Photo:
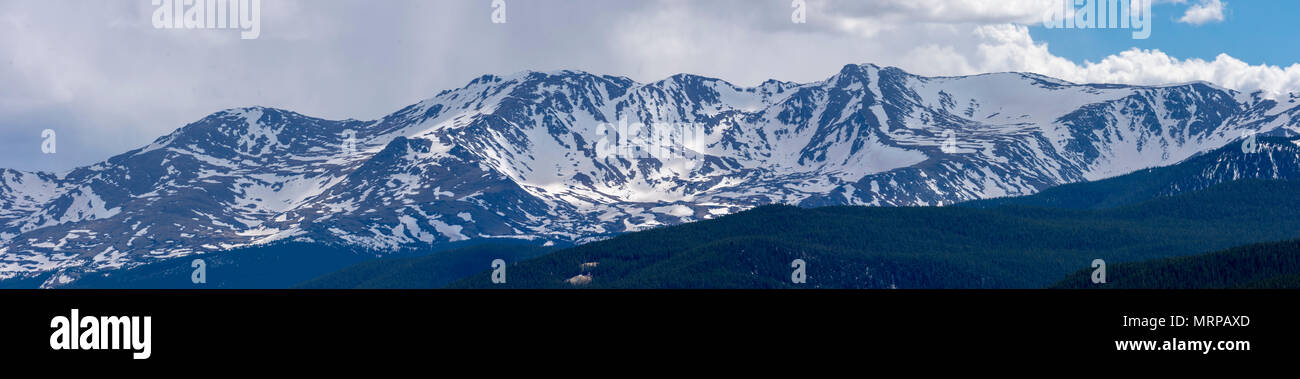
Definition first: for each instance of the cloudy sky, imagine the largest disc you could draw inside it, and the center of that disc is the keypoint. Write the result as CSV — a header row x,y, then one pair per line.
x,y
106,80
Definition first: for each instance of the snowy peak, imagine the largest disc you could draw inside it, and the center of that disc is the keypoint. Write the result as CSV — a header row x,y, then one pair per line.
x,y
258,131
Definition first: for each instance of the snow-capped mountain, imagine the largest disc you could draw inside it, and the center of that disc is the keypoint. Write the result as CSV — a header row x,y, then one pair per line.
x,y
571,157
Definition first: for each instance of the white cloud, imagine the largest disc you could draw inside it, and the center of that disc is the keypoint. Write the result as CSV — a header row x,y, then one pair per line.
x,y
1206,11
1010,48
945,11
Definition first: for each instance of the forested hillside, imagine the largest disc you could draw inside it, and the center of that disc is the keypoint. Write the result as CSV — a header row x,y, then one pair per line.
x,y
915,247
1262,265
428,271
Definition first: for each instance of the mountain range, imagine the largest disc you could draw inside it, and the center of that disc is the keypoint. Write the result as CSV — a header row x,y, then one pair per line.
x,y
571,157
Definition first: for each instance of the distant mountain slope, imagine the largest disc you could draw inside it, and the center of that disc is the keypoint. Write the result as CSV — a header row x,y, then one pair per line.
x,y
1262,265
570,157
429,271
927,247
1269,158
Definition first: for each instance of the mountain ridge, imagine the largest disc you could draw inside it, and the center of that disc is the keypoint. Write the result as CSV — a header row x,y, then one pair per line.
x,y
520,157
1272,158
